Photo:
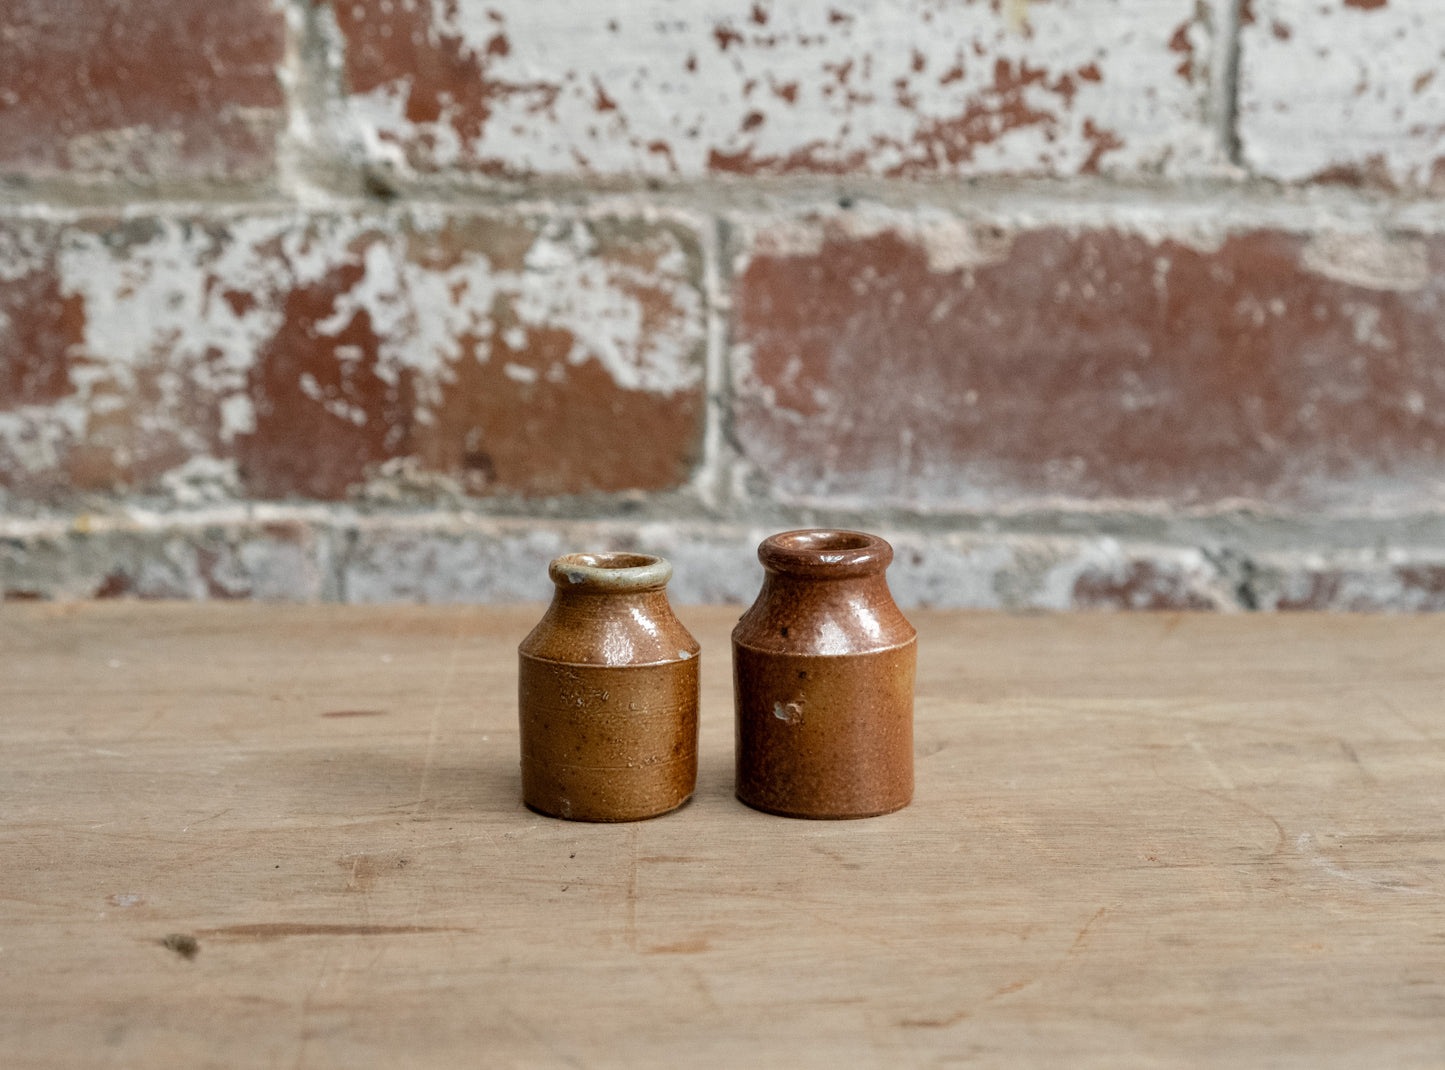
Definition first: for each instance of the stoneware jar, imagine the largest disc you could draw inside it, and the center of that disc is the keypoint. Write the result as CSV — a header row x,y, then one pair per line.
x,y
823,669
608,693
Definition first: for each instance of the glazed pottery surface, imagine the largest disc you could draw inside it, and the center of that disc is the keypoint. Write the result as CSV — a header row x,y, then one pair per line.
x,y
823,667
608,693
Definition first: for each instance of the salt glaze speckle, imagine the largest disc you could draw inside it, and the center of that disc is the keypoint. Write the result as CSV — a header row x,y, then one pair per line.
x,y
823,667
608,693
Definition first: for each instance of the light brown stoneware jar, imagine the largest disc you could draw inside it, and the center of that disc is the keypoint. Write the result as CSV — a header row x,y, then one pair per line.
x,y
608,693
823,668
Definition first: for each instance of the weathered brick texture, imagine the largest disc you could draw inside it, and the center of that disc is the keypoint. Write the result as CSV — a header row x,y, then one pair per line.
x,y
1372,580
1344,91
1090,304
183,89
897,88
298,355
948,365
283,561
468,559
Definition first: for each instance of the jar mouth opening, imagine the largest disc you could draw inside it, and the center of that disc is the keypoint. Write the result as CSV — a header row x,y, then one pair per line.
x,y
824,552
611,570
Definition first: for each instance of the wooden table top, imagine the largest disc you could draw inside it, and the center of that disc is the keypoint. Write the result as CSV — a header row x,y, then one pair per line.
x,y
281,837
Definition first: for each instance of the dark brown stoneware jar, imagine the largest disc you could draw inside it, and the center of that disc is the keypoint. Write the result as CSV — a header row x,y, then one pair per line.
x,y
608,693
823,669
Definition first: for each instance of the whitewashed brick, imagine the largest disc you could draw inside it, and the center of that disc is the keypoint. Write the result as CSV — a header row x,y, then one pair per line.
x,y
881,87
1344,90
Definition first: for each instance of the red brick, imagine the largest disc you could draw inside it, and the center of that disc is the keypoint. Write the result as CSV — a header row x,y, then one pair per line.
x,y
935,365
318,442
897,88
183,89
43,327
279,356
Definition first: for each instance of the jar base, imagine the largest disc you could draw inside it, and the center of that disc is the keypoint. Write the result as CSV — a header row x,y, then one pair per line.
x,y
607,820
823,817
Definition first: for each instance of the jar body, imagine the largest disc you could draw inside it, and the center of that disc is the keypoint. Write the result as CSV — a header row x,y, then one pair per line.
x,y
823,674
608,688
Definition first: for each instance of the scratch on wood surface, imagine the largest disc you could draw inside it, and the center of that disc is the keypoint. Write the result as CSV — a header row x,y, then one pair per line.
x,y
546,1038
1076,948
1409,722
208,817
699,981
442,691
673,858
149,723
1354,757
1220,776
366,869
1015,987
1231,799
1278,828
632,895
695,946
303,1035
1304,844
835,856
280,930
1079,940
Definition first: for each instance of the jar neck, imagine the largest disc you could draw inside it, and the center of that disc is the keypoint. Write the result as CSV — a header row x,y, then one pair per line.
x,y
804,615
584,600
610,627
827,587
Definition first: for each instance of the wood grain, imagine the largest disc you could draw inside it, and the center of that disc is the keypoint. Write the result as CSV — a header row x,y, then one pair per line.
x,y
252,836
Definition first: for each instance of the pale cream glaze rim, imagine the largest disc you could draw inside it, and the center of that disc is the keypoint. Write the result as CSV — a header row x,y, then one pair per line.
x,y
612,570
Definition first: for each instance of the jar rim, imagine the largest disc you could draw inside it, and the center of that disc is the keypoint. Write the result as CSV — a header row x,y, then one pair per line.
x,y
610,570
825,552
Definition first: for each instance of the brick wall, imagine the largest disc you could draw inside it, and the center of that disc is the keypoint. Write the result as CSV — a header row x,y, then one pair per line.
x,y
1084,303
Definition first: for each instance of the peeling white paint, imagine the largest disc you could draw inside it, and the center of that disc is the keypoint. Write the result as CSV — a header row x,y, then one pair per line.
x,y
1370,260
203,480
187,312
597,301
782,237
23,249
148,299
36,436
120,149
1328,86
949,242
658,87
952,245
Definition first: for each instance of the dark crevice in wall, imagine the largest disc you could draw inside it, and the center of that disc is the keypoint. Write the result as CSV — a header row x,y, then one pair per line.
x,y
342,550
1244,589
1232,24
1238,571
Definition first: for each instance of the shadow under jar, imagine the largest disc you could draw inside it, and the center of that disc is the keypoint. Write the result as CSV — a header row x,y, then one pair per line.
x,y
608,693
823,667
